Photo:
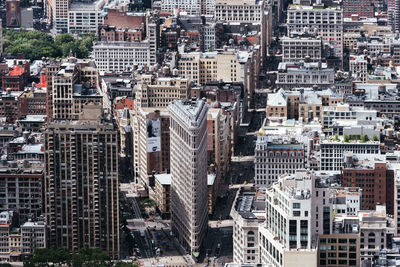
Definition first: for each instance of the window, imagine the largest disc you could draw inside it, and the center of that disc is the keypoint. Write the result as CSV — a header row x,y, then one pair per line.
x,y
296,205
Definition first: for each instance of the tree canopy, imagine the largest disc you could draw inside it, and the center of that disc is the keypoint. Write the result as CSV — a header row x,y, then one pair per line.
x,y
364,138
148,203
36,44
125,264
85,257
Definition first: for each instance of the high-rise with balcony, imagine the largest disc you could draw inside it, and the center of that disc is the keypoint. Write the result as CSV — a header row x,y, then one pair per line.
x,y
189,197
81,182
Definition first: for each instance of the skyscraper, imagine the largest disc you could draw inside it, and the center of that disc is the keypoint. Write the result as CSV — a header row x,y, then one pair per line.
x,y
81,182
188,145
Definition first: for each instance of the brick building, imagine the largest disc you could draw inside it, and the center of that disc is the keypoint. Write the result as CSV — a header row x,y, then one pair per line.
x,y
370,174
32,102
112,33
9,105
121,19
17,77
362,8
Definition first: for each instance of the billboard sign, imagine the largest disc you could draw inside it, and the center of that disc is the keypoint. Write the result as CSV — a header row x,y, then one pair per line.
x,y
153,132
13,13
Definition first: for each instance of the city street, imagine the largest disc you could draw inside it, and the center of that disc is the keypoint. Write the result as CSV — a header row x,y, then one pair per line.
x,y
219,244
150,235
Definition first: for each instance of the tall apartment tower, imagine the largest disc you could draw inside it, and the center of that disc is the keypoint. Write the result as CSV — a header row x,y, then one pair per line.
x,y
81,182
188,142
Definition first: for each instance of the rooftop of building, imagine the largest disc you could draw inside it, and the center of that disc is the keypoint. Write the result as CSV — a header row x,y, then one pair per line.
x,y
339,192
5,217
250,203
86,5
248,265
277,99
14,62
297,37
31,149
379,214
239,2
292,128
341,140
241,55
358,59
33,119
377,91
362,161
17,70
31,223
303,7
165,178
191,109
30,92
82,90
304,66
10,95
327,179
121,44
21,167
297,185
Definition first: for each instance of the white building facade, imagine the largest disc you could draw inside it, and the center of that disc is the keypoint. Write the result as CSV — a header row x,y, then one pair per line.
x,y
327,22
251,11
286,235
332,152
85,17
275,158
191,7
122,56
188,159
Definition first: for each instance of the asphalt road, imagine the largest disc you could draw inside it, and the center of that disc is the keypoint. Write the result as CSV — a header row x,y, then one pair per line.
x,y
219,244
143,244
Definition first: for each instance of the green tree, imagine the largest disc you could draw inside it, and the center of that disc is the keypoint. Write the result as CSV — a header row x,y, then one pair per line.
x,y
36,44
346,138
148,203
91,257
375,138
337,137
364,138
88,257
63,39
